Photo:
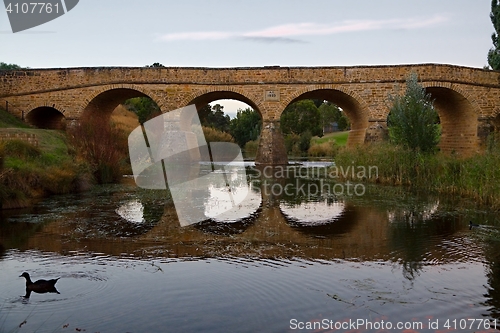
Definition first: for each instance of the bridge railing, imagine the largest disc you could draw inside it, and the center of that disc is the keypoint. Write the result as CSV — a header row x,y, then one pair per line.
x,y
9,107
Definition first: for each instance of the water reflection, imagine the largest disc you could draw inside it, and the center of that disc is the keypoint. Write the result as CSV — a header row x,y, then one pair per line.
x,y
419,237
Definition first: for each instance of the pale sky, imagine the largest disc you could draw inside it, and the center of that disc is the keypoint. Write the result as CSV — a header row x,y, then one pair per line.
x,y
243,33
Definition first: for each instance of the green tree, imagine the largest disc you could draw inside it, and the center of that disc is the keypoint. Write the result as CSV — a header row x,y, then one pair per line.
x,y
412,120
144,107
300,117
331,113
213,116
493,54
5,66
156,64
245,126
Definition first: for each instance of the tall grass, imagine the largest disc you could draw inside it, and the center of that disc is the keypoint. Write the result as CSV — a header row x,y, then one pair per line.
x,y
475,177
102,145
29,172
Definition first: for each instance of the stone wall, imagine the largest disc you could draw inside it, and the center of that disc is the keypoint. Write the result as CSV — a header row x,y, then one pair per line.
x,y
8,134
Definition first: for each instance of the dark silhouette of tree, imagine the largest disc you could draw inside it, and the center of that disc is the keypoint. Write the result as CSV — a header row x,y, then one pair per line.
x,y
493,54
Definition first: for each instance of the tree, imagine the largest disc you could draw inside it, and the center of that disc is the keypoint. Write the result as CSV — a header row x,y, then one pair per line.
x,y
331,113
156,64
300,117
144,107
5,66
213,116
494,53
413,119
245,126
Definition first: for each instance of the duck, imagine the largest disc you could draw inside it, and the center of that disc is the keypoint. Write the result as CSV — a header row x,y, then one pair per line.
x,y
40,286
472,225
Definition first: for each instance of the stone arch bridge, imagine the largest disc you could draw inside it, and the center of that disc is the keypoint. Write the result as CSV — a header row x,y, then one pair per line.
x,y
467,99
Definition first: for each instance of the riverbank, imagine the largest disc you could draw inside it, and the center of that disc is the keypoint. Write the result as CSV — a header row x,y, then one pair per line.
x,y
475,177
32,171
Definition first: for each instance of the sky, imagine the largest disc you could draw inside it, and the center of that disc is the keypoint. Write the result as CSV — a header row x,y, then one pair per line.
x,y
244,33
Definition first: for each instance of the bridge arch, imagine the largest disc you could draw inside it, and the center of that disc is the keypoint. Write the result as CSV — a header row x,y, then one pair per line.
x,y
458,114
106,99
352,104
46,117
203,97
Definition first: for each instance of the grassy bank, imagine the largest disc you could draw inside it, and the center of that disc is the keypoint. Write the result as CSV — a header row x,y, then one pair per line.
x,y
475,177
29,172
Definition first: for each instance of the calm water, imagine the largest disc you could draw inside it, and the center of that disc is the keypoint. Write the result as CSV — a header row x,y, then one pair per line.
x,y
126,265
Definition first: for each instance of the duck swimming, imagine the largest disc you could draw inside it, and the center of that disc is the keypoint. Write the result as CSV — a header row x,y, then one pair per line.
x,y
40,286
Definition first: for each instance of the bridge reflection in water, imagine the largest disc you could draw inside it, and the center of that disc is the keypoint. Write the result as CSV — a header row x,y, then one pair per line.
x,y
318,227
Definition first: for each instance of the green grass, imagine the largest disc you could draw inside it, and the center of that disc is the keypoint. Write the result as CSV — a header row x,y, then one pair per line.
x,y
475,177
7,120
339,137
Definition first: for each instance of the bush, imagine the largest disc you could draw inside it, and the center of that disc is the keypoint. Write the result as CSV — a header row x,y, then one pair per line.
x,y
413,120
102,145
251,148
214,135
325,149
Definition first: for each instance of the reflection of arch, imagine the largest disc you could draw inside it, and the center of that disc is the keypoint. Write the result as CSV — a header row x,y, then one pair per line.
x,y
204,97
106,99
458,116
46,117
353,105
341,223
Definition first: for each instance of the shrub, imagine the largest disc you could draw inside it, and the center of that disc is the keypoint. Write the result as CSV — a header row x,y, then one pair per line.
x,y
325,149
250,149
412,119
102,145
214,135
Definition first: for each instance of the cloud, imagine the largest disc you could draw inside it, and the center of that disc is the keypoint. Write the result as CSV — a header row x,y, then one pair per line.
x,y
284,33
270,40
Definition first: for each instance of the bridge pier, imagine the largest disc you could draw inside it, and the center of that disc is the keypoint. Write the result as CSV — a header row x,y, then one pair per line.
x,y
271,149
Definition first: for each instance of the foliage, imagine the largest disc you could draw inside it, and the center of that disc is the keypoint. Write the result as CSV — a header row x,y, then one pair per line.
x,y
250,150
475,177
30,171
325,149
5,66
103,146
493,54
144,107
331,113
214,135
300,117
156,65
412,119
298,145
213,116
245,126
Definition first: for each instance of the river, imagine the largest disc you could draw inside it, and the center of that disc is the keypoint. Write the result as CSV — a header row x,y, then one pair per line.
x,y
382,260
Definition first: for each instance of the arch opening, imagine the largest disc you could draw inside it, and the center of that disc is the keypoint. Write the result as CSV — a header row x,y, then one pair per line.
x,y
105,103
231,117
326,101
46,117
459,124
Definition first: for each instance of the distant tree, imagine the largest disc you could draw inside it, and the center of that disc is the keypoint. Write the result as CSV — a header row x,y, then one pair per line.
x,y
156,64
300,117
5,66
213,116
412,120
245,126
144,107
493,54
